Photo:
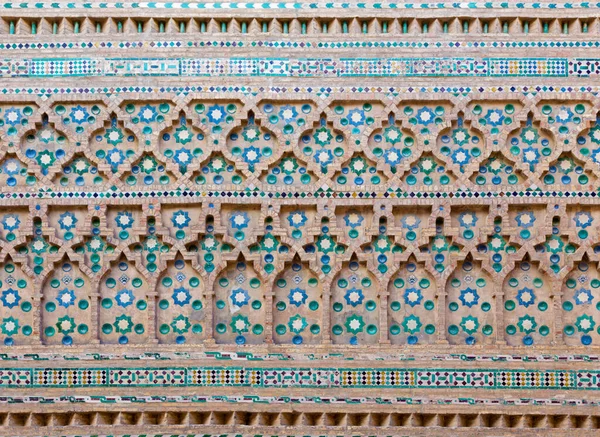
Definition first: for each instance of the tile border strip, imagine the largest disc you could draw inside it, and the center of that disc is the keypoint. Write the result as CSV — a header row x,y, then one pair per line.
x,y
270,357
297,43
323,91
294,400
295,377
341,195
284,67
308,6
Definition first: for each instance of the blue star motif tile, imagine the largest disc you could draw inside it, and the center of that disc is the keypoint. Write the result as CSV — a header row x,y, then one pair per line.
x,y
79,114
147,114
182,156
288,113
564,115
12,167
425,116
251,155
10,298
115,157
583,296
239,220
13,116
392,156
324,157
297,296
413,296
11,222
180,219
124,220
467,219
410,222
297,219
583,219
181,296
461,156
353,219
469,297
354,296
525,219
494,117
67,221
124,298
66,298
356,117
526,297
531,155
216,114
239,297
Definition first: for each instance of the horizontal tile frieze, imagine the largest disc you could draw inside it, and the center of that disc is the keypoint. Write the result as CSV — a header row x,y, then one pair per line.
x,y
358,89
299,67
357,356
248,194
298,43
313,377
295,6
295,400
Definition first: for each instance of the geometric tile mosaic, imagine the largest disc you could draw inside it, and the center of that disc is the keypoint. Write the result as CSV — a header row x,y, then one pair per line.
x,y
235,217
300,377
324,67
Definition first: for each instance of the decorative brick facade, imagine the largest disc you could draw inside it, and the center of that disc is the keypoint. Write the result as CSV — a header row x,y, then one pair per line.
x,y
301,218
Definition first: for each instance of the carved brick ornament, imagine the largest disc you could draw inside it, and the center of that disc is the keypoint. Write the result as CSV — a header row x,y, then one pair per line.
x,y
299,218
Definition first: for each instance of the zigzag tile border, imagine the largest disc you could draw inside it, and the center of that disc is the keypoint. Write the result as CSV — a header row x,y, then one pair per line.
x,y
310,377
309,6
294,400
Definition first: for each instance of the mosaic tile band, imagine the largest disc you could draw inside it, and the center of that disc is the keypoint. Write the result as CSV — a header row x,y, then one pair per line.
x,y
330,378
530,90
397,194
298,68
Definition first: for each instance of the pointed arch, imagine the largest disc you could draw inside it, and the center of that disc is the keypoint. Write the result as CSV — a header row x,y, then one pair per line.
x,y
18,312
580,304
298,306
412,304
123,305
470,304
527,306
239,305
355,304
66,307
180,304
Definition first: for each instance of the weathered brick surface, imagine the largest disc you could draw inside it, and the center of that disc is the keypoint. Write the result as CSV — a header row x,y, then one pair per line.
x,y
299,218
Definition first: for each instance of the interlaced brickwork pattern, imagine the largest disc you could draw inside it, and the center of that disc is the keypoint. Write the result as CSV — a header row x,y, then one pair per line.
x,y
299,218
